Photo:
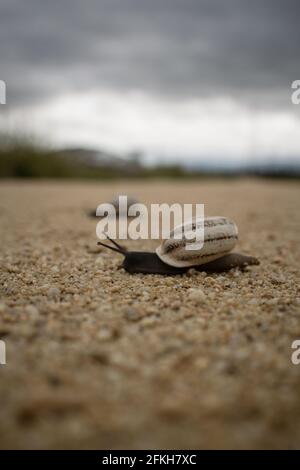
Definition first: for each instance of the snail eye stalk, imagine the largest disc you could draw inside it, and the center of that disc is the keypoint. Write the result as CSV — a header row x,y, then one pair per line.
x,y
121,248
111,247
118,248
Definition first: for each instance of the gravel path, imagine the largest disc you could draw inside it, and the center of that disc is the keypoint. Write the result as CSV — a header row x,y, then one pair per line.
x,y
97,358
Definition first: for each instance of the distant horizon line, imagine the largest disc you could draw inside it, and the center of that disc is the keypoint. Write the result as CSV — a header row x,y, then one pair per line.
x,y
204,161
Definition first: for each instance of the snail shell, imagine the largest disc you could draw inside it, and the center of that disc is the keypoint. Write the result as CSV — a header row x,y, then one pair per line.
x,y
220,237
130,201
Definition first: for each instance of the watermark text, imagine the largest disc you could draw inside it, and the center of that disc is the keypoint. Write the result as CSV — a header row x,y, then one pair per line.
x,y
296,94
295,357
2,353
2,92
161,220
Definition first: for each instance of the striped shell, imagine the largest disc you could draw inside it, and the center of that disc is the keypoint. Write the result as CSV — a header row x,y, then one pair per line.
x,y
220,237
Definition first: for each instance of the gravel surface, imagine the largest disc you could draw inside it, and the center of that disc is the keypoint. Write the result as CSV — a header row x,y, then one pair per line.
x,y
98,358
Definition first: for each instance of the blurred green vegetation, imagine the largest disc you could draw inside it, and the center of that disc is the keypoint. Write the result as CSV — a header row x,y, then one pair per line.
x,y
22,157
25,157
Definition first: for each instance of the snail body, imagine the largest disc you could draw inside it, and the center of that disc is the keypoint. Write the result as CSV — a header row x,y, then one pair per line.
x,y
174,256
149,263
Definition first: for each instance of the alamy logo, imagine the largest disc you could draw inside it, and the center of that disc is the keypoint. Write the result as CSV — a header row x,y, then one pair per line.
x,y
137,222
2,353
2,92
295,358
296,94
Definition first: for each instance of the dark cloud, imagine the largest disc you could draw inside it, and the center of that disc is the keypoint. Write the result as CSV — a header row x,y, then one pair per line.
x,y
248,50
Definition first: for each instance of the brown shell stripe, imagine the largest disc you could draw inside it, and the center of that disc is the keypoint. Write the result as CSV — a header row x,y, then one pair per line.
x,y
212,223
174,246
209,223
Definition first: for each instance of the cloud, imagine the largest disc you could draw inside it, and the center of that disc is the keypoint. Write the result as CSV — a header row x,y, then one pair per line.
x,y
173,77
175,49
193,130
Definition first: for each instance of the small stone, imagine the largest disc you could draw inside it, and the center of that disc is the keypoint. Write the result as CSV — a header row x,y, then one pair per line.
x,y
274,301
210,281
132,314
211,295
149,321
44,287
99,261
53,292
191,272
236,273
106,334
201,363
32,310
55,269
175,305
277,279
114,289
196,295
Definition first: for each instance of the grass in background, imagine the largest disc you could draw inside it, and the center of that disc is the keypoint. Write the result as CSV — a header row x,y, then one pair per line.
x,y
25,157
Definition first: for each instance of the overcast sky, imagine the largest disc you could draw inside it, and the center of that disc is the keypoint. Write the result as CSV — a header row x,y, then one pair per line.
x,y
175,79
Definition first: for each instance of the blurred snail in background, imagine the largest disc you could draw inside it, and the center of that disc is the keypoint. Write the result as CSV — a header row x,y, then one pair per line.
x,y
174,256
115,202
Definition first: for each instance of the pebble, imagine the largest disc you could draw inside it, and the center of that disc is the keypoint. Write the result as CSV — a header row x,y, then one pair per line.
x,y
210,281
53,292
115,289
32,310
99,261
132,314
191,272
277,279
55,269
176,305
196,295
106,334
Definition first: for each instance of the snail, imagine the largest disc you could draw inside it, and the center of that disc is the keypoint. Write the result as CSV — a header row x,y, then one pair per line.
x,y
115,202
173,257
